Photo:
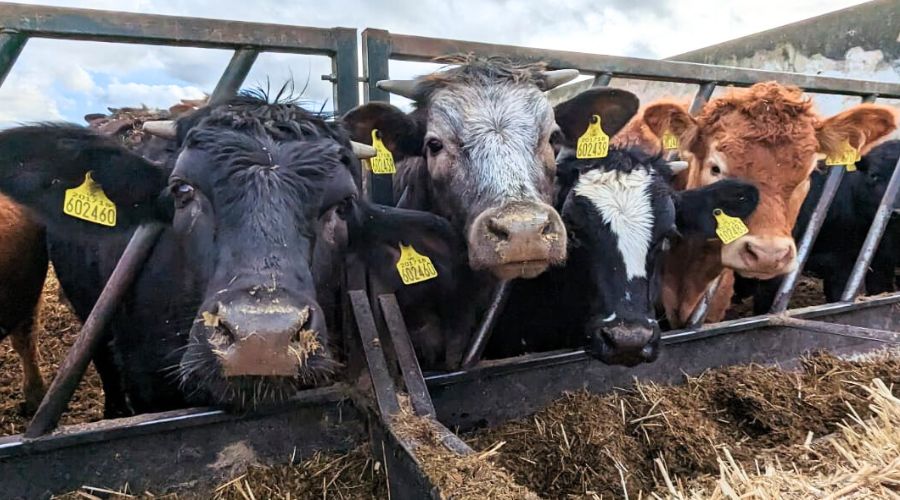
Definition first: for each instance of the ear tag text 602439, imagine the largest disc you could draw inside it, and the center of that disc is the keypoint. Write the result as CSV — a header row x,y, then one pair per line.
x,y
383,161
89,202
669,140
594,143
848,155
414,267
728,228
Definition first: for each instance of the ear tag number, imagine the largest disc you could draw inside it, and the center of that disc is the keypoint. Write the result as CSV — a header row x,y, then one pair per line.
x,y
414,267
89,202
669,140
848,155
594,143
728,228
383,161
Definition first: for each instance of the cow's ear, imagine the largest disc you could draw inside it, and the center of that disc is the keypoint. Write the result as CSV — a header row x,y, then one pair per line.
x,y
614,106
694,207
666,116
39,164
401,133
862,126
376,233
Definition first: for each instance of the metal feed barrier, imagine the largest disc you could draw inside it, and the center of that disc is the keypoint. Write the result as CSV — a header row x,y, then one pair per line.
x,y
195,447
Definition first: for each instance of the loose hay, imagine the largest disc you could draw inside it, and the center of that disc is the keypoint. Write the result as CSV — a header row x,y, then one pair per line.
x,y
58,329
471,477
585,445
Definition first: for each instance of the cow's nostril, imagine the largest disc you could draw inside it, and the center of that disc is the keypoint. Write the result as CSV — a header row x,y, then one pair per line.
x,y
547,229
750,253
498,230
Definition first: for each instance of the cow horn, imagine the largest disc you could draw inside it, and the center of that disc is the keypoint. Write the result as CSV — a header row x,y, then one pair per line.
x,y
160,128
677,166
406,88
557,77
363,151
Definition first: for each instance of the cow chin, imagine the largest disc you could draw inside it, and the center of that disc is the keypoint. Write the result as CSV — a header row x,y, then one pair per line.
x,y
207,380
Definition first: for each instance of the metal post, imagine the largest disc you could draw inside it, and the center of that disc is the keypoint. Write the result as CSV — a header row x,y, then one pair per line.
x,y
376,54
832,183
602,79
344,65
234,75
72,369
483,334
406,356
383,385
698,317
873,238
11,45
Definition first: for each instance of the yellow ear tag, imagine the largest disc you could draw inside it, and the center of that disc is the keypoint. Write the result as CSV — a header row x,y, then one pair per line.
x,y
728,228
383,161
669,140
593,143
89,202
414,267
848,155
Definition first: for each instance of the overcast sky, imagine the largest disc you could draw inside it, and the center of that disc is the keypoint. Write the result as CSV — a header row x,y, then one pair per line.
x,y
55,80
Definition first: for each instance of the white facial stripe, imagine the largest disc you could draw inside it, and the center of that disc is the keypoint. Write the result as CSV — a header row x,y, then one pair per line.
x,y
623,200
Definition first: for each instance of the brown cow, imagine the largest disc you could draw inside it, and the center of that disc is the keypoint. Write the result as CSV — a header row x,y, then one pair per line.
x,y
770,135
23,268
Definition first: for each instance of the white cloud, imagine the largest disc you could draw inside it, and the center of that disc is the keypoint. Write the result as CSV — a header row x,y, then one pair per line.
x,y
119,94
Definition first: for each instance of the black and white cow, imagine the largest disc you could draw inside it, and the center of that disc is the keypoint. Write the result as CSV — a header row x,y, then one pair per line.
x,y
257,204
477,150
843,232
621,214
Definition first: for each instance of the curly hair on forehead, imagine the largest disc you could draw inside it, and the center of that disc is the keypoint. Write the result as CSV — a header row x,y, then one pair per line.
x,y
469,69
770,112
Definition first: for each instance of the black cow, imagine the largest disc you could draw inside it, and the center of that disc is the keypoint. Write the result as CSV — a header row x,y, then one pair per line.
x,y
621,214
843,232
258,205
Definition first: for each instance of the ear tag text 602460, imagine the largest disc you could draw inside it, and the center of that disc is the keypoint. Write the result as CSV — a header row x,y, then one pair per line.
x,y
89,202
383,161
728,228
594,143
414,267
669,140
848,155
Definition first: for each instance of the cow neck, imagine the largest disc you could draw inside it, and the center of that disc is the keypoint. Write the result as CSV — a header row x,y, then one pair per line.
x,y
688,269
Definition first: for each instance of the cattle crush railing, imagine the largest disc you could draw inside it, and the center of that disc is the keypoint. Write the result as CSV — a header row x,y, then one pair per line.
x,y
176,448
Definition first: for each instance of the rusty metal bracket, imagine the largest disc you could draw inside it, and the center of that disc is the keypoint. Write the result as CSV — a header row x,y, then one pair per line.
x,y
857,332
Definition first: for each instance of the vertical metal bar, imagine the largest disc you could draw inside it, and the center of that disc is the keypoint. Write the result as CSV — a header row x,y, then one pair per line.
x,y
79,356
602,79
234,75
483,334
11,45
873,238
345,66
385,390
698,317
832,183
406,356
376,55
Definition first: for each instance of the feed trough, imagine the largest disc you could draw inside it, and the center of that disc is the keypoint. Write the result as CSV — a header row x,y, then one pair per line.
x,y
411,420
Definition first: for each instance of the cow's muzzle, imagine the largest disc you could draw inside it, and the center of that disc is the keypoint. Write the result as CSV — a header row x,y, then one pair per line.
x,y
517,240
760,257
266,339
625,343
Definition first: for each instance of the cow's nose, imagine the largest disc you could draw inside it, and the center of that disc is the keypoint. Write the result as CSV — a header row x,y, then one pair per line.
x,y
517,240
267,339
767,255
626,344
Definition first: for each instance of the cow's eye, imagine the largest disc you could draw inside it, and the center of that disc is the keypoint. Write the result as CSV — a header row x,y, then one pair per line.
x,y
182,192
715,170
434,145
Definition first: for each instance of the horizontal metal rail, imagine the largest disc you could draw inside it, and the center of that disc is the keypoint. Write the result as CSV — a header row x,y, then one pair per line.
x,y
419,48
